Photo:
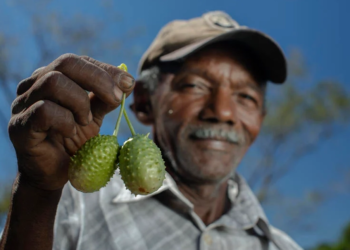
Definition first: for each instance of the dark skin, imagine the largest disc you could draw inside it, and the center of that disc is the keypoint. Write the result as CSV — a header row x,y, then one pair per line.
x,y
47,127
214,91
52,117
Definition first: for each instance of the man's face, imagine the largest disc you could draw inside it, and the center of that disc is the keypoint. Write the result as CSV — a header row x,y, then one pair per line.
x,y
207,115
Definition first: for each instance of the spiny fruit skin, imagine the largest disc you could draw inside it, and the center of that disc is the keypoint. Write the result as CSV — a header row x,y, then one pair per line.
x,y
94,163
141,165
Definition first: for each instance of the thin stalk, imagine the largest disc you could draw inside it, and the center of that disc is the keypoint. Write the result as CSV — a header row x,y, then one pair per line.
x,y
129,123
116,129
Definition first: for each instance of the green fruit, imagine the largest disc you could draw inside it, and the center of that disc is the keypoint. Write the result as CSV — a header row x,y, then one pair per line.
x,y
141,165
94,163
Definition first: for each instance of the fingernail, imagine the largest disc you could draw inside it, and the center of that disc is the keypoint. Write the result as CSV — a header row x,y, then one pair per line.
x,y
126,82
118,93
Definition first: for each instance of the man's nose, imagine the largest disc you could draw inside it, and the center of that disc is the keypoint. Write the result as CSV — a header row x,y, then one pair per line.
x,y
219,108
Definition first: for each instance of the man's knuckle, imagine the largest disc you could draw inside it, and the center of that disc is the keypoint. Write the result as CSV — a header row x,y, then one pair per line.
x,y
88,58
53,76
16,105
50,80
22,85
64,60
85,100
13,125
115,103
42,116
37,71
67,56
68,116
41,111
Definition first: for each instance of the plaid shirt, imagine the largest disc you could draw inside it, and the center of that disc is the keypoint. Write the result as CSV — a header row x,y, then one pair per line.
x,y
113,218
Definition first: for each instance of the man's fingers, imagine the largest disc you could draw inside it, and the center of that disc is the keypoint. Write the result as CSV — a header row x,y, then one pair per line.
x,y
31,127
124,80
99,108
25,84
90,77
87,75
56,87
106,82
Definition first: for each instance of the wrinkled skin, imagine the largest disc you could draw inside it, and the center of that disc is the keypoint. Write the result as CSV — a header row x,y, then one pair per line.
x,y
214,91
53,115
218,91
56,111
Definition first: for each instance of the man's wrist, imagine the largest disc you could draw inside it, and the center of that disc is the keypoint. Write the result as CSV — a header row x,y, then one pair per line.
x,y
31,216
23,183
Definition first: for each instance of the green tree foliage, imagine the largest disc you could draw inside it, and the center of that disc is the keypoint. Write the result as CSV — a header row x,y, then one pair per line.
x,y
343,242
5,198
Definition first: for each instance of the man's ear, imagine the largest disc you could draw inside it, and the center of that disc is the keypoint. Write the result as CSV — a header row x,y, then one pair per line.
x,y
142,104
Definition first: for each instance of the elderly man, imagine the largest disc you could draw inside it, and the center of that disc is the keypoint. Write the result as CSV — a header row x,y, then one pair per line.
x,y
202,89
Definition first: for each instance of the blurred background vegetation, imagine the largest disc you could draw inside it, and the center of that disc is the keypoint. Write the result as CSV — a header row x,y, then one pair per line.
x,y
301,115
343,242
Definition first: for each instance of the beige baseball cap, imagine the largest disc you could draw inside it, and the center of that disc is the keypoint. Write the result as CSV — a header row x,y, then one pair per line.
x,y
181,38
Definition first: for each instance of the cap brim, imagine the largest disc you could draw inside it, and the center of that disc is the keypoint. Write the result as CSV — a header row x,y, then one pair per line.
x,y
266,49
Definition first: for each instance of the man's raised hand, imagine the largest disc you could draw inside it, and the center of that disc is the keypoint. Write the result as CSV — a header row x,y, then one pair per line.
x,y
57,110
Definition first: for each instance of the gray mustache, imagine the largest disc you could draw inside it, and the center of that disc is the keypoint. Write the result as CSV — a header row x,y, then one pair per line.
x,y
213,133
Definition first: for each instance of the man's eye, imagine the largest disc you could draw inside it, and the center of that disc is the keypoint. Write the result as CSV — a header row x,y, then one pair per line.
x,y
188,85
249,97
193,88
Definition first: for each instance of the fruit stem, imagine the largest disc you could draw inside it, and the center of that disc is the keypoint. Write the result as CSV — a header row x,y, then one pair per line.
x,y
116,129
129,123
122,109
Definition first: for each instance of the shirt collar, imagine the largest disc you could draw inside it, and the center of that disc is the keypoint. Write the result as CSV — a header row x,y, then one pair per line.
x,y
125,196
245,209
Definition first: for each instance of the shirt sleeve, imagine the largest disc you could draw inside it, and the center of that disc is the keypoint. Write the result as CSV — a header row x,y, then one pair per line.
x,y
68,220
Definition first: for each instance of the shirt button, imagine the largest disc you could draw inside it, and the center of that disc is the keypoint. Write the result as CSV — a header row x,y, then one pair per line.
x,y
207,239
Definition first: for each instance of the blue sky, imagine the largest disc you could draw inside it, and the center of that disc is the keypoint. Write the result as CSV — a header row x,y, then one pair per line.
x,y
319,28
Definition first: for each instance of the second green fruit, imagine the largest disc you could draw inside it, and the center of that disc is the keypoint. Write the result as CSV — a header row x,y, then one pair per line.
x,y
141,165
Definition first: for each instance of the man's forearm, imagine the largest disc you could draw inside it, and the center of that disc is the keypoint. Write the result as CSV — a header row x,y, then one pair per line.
x,y
31,218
